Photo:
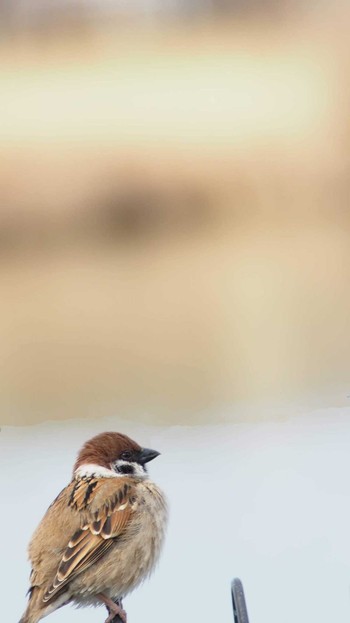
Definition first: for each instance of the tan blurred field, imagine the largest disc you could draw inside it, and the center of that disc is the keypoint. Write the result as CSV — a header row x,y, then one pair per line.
x,y
174,225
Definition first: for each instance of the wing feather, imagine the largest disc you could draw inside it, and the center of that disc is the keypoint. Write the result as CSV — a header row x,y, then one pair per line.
x,y
104,517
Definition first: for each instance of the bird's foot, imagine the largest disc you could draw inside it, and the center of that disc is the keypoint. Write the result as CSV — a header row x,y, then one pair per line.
x,y
115,609
118,614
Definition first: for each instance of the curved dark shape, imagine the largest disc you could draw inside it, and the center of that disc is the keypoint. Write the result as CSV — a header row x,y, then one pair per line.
x,y
240,612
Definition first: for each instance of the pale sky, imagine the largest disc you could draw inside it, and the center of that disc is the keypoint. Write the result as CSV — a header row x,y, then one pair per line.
x,y
268,503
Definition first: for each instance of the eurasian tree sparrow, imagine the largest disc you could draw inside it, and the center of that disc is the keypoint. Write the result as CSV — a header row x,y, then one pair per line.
x,y
102,535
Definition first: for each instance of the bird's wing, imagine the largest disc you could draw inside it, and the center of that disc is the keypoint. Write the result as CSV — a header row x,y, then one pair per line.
x,y
105,507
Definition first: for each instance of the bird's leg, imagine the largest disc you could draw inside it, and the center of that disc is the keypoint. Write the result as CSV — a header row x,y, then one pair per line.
x,y
118,602
114,608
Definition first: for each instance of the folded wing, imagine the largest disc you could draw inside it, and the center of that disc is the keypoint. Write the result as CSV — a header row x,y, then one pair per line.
x,y
106,509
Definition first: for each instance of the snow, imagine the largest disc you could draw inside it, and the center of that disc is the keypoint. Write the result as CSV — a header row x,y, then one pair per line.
x,y
268,502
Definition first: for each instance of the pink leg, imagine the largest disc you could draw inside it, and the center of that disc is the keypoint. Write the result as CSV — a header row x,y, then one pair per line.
x,y
113,608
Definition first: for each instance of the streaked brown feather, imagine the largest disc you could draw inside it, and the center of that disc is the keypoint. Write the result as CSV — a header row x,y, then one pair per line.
x,y
103,519
96,527
76,538
84,491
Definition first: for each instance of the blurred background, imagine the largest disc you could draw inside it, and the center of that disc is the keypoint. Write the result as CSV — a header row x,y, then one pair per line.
x,y
174,208
174,251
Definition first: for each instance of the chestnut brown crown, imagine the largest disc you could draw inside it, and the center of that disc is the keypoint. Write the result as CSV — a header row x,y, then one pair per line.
x,y
106,448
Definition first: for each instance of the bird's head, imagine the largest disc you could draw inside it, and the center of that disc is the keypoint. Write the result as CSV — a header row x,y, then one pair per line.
x,y
111,454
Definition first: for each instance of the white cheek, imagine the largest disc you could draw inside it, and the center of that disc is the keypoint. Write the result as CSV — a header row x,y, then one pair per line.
x,y
90,469
139,470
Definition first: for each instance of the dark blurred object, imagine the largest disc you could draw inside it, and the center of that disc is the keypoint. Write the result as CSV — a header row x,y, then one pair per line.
x,y
39,15
238,602
124,215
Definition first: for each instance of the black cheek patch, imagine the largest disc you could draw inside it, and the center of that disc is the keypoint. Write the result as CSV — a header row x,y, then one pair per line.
x,y
125,469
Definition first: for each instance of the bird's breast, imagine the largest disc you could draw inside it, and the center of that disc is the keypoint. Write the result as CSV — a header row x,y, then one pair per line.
x,y
149,526
134,554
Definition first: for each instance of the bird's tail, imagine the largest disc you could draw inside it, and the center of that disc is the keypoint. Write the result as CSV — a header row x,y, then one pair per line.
x,y
29,617
33,612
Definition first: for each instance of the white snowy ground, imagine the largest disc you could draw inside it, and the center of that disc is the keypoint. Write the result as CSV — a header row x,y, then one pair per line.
x,y
269,503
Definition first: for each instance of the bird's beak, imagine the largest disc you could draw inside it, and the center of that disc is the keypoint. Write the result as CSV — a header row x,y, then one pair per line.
x,y
147,455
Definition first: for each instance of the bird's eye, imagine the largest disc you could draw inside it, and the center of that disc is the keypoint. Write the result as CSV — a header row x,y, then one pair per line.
x,y
126,456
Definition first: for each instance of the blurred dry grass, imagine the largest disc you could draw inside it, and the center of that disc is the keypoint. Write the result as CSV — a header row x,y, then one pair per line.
x,y
174,224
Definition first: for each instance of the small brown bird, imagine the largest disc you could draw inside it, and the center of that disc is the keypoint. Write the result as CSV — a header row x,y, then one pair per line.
x,y
102,535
